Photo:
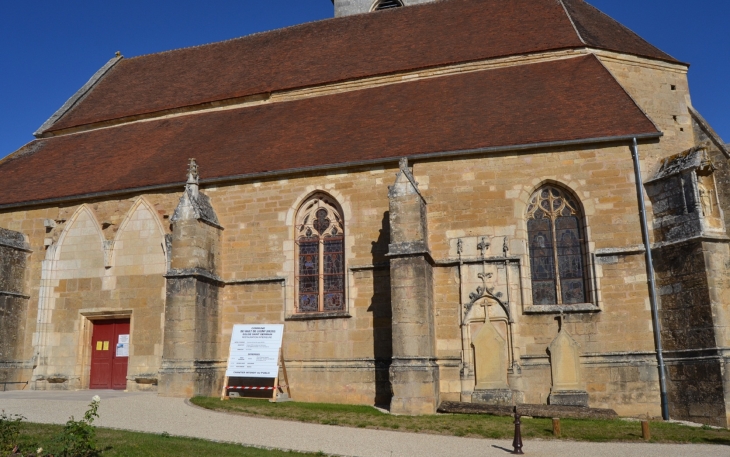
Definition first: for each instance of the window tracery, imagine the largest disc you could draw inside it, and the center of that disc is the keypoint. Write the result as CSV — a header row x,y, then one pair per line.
x,y
556,247
320,245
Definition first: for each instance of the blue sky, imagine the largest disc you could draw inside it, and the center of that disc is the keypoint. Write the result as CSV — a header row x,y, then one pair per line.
x,y
50,48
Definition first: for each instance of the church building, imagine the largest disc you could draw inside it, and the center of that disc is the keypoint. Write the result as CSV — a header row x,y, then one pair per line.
x,y
482,201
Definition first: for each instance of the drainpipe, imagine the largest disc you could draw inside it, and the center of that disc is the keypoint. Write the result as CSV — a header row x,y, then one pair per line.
x,y
652,283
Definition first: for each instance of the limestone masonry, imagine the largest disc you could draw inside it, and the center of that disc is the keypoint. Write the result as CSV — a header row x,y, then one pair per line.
x,y
438,199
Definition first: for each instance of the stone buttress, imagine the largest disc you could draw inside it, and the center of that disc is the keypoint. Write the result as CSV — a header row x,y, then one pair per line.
x,y
14,253
190,361
414,373
691,261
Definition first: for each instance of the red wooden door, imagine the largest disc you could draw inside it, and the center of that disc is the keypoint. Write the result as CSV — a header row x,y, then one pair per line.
x,y
109,354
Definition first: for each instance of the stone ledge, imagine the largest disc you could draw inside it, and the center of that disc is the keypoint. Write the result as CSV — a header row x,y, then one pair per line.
x,y
408,248
569,398
541,411
14,294
197,273
557,309
314,316
13,240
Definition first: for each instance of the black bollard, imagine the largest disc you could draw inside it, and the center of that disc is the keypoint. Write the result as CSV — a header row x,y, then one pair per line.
x,y
517,442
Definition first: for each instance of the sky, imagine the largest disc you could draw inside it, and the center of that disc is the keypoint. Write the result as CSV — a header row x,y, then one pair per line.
x,y
50,48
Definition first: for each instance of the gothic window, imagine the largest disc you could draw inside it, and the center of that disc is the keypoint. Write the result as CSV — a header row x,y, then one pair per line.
x,y
557,248
320,244
387,4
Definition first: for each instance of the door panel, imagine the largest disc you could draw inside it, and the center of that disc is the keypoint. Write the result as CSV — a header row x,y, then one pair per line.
x,y
119,365
109,363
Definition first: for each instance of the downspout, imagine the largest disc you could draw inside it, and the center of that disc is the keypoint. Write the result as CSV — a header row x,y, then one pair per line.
x,y
652,282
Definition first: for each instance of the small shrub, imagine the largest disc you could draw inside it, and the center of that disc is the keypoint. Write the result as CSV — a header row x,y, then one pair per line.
x,y
9,431
78,438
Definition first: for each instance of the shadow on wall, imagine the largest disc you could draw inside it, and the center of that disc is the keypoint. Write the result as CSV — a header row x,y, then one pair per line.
x,y
382,316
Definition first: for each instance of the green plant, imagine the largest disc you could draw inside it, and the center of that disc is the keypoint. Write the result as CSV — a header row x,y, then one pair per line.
x,y
78,438
9,431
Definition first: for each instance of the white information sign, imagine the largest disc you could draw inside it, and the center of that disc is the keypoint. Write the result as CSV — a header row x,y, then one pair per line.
x,y
255,351
123,346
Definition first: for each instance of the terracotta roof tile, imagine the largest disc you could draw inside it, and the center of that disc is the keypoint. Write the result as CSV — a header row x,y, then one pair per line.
x,y
570,99
399,39
601,31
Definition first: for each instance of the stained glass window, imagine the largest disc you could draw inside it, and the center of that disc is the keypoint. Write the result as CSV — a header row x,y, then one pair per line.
x,y
320,256
557,248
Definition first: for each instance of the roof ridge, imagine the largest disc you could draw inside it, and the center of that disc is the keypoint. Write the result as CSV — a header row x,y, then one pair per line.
x,y
228,40
272,31
570,18
620,24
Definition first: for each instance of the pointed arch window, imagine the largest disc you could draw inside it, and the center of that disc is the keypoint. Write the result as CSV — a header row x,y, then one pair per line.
x,y
557,248
320,244
387,4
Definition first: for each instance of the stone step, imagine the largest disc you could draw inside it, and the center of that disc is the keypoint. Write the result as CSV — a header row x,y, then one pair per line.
x,y
541,411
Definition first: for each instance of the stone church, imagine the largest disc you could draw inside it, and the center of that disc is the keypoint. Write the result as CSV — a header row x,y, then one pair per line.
x,y
489,201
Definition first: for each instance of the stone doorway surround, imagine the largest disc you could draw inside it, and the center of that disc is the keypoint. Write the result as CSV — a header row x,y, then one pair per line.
x,y
88,317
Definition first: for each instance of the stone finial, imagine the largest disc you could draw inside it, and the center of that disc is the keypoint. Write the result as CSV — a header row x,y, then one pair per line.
x,y
193,178
405,183
483,246
194,204
403,163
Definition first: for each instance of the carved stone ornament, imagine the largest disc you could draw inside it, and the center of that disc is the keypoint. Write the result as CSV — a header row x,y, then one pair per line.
x,y
485,291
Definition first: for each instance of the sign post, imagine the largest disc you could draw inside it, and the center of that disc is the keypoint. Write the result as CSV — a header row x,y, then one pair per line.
x,y
254,358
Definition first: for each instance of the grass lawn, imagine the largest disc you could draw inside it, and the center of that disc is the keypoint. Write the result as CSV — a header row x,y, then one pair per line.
x,y
472,425
120,443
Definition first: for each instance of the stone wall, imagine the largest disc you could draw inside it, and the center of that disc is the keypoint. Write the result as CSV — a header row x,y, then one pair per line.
x,y
694,369
13,307
89,262
407,279
346,359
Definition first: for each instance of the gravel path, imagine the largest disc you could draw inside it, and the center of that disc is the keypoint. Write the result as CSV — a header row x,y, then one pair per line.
x,y
149,413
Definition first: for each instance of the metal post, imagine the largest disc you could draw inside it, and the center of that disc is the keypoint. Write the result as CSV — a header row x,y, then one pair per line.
x,y
652,283
517,442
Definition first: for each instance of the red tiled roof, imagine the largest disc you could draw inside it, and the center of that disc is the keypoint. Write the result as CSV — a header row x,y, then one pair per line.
x,y
400,39
571,99
600,31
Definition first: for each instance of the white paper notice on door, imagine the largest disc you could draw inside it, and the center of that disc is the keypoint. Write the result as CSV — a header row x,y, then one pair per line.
x,y
123,346
255,351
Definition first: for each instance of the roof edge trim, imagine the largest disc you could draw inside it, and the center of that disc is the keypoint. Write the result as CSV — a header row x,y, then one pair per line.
x,y
75,98
710,131
269,174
